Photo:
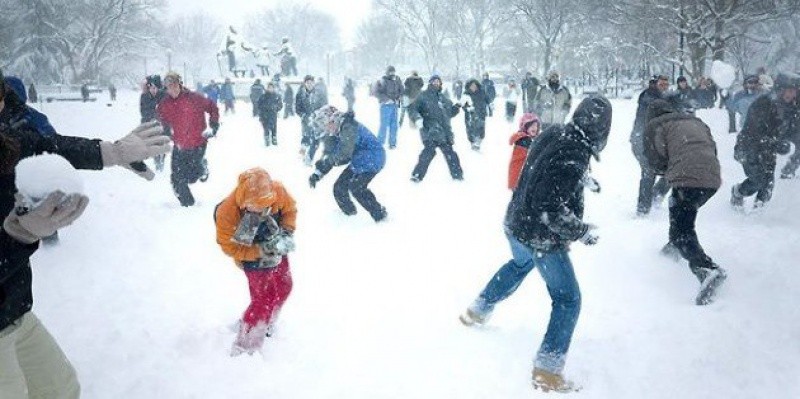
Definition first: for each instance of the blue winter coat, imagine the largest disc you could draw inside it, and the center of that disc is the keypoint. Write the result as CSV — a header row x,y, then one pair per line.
x,y
356,145
226,93
212,92
34,118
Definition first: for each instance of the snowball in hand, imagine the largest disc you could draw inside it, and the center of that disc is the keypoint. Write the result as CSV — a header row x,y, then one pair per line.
x,y
41,175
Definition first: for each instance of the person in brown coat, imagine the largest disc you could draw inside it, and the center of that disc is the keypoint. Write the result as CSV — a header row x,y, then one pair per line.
x,y
680,147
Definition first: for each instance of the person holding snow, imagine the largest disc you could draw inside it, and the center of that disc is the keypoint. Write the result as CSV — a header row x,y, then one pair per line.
x,y
544,217
254,225
31,361
348,142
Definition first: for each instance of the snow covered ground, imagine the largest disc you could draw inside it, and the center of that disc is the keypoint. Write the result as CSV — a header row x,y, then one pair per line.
x,y
140,296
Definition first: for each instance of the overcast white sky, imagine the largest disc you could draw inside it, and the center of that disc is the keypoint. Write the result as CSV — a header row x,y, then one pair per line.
x,y
348,13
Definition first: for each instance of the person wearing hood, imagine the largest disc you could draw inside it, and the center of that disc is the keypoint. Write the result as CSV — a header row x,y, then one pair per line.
x,y
151,96
31,116
436,111
651,188
553,101
348,142
680,147
255,224
529,129
770,122
32,363
475,114
544,216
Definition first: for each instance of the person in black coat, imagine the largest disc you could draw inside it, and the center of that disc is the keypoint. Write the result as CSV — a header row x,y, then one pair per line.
x,y
649,186
269,104
475,114
349,93
490,92
288,101
48,372
148,101
770,121
306,102
530,89
436,111
544,217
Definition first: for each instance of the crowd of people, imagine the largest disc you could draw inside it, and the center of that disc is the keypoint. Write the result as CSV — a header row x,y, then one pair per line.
x,y
549,168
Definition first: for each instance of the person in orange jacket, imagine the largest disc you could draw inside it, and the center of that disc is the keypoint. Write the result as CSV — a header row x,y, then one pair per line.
x,y
255,224
529,126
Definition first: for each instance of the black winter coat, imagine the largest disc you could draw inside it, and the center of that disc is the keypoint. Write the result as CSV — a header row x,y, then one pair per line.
x,y
306,102
147,105
769,121
436,110
546,209
269,103
413,87
637,135
16,297
477,99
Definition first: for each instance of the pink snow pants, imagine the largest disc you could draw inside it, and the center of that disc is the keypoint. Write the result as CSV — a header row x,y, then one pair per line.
x,y
269,289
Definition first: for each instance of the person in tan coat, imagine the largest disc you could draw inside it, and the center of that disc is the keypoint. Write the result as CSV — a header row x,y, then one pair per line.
x,y
680,147
255,224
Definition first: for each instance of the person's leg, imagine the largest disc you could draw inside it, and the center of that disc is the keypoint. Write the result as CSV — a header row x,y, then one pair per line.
x,y
365,197
341,192
453,163
272,118
12,379
178,177
47,371
683,208
384,125
505,281
559,276
646,181
265,127
282,280
392,116
425,158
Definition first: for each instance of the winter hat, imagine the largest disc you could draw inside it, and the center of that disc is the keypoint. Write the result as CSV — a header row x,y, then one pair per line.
x,y
681,79
327,120
434,77
527,120
390,69
254,190
308,78
14,83
153,80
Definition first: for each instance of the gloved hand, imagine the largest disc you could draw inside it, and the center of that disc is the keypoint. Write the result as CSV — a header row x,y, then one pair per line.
x,y
588,237
283,243
314,178
57,210
146,141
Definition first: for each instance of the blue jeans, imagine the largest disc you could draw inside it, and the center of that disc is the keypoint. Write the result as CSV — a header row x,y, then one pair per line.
x,y
556,270
388,122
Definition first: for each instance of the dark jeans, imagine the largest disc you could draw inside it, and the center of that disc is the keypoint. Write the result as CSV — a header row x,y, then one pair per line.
x,y
649,186
270,125
187,167
760,180
427,154
356,183
683,206
732,122
476,128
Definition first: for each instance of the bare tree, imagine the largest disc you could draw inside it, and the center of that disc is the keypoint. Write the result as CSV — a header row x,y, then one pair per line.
x,y
378,42
194,40
546,23
474,26
423,23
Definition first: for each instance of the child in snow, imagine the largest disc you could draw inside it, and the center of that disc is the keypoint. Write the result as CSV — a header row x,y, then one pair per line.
x,y
254,226
521,140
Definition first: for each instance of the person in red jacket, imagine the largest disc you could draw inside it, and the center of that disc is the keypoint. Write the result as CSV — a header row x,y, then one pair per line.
x,y
184,111
521,140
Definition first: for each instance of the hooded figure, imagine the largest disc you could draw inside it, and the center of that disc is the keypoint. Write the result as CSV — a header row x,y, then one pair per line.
x,y
522,141
262,205
475,113
544,216
31,116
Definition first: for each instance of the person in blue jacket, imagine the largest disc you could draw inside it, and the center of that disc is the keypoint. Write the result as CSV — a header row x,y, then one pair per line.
x,y
348,142
33,117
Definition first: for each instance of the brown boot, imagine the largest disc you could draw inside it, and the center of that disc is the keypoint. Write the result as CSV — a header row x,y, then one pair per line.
x,y
547,381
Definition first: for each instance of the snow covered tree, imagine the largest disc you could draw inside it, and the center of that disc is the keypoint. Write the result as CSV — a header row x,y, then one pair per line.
x,y
424,25
379,43
474,26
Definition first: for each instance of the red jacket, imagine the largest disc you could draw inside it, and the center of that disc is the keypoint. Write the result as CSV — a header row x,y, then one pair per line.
x,y
185,114
521,141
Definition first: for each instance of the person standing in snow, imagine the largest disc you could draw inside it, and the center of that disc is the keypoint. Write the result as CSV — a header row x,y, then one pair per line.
x,y
475,114
349,93
85,92
770,122
412,87
33,95
553,101
288,101
32,363
151,96
212,91
740,102
458,89
256,91
112,92
436,111
227,97
511,93
489,92
705,95
530,88
184,112
680,147
306,102
651,188
544,217
254,225
268,106
522,140
348,142
389,92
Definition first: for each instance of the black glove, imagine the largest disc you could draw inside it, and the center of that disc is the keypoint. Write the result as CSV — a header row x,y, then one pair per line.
x,y
314,178
214,127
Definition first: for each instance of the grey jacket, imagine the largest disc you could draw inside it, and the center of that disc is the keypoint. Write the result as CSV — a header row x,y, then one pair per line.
x,y
553,105
680,147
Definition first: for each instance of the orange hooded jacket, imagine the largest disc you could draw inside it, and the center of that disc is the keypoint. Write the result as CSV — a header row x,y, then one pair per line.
x,y
521,141
257,191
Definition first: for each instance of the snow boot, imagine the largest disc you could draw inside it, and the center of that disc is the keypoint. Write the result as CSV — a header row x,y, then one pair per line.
x,y
737,199
708,288
250,339
471,317
547,381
